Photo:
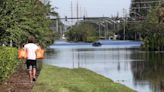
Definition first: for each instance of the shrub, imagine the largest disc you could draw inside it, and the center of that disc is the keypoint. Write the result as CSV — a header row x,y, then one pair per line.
x,y
8,61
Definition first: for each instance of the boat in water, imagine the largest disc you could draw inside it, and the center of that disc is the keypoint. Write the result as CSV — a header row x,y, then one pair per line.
x,y
96,44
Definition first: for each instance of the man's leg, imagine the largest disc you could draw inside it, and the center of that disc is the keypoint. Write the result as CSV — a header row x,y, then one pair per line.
x,y
34,71
30,75
29,68
34,74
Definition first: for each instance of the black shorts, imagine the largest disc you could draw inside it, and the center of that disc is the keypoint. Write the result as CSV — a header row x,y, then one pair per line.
x,y
31,64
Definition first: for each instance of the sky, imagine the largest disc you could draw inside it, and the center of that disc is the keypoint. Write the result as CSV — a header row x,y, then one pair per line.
x,y
91,8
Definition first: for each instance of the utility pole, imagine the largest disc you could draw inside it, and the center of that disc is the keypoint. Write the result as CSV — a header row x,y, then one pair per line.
x,y
71,13
77,10
71,17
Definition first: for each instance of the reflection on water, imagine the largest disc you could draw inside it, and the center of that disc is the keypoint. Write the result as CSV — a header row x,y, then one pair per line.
x,y
142,71
151,70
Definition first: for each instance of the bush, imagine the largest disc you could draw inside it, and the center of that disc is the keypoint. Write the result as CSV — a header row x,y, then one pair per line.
x,y
8,61
91,39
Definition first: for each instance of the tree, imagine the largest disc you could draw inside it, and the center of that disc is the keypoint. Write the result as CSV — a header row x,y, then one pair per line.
x,y
152,30
20,18
82,32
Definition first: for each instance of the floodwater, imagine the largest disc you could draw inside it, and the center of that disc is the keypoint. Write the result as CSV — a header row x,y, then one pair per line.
x,y
121,61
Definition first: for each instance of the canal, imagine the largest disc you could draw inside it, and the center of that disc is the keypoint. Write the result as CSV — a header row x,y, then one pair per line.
x,y
121,61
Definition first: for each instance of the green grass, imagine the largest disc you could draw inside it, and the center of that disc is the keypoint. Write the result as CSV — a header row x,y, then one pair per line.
x,y
55,79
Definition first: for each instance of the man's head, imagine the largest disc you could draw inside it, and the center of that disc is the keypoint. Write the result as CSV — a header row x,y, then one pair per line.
x,y
31,39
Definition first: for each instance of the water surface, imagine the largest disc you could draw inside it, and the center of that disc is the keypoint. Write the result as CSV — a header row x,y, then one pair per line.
x,y
121,61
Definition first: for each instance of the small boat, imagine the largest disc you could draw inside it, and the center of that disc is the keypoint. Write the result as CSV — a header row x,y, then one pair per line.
x,y
96,44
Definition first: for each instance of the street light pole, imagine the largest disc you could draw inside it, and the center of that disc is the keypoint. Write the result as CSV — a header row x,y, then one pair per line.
x,y
124,29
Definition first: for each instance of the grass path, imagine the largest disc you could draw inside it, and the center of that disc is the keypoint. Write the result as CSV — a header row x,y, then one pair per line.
x,y
55,79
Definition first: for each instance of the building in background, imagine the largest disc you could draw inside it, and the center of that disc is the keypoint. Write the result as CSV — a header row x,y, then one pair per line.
x,y
139,8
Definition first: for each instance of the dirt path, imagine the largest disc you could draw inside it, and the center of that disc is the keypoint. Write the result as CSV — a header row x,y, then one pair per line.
x,y
18,81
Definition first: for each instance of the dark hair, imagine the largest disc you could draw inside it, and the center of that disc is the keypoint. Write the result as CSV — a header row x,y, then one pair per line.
x,y
31,39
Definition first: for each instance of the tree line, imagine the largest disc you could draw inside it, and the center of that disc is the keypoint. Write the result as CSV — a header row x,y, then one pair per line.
x,y
150,30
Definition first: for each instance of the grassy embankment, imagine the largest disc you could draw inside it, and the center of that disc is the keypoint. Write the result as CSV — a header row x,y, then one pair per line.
x,y
55,79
